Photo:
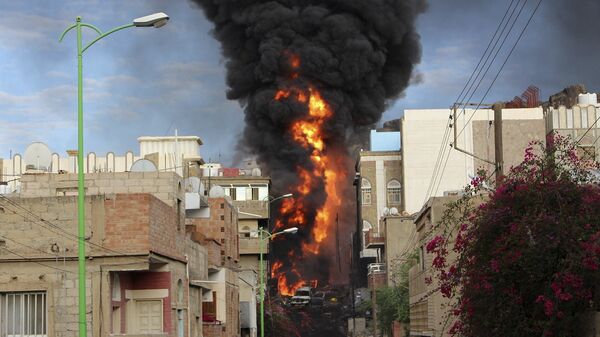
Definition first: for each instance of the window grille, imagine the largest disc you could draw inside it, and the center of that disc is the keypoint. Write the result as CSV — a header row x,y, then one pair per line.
x,y
394,192
23,314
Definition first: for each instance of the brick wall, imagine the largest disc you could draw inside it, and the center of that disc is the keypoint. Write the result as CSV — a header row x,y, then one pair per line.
x,y
127,224
222,228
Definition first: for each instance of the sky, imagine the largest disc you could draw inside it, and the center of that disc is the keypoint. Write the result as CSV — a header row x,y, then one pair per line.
x,y
149,82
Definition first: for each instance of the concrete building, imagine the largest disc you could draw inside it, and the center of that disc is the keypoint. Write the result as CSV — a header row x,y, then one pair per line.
x,y
422,135
143,269
580,122
428,309
248,191
217,227
176,154
380,191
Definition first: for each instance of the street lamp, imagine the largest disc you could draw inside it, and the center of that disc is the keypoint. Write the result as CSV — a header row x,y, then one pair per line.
x,y
264,236
155,20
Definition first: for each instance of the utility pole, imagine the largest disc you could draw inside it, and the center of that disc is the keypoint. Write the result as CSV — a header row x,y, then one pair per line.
x,y
498,148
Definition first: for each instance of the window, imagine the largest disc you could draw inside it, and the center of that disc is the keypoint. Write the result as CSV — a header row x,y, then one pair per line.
x,y
232,193
366,192
254,193
23,314
149,316
394,192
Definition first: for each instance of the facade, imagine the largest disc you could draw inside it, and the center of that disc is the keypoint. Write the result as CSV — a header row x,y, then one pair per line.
x,y
216,225
140,267
248,191
575,121
175,154
427,306
380,191
422,134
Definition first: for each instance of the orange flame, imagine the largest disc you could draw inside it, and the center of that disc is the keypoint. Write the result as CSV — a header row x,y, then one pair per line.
x,y
328,168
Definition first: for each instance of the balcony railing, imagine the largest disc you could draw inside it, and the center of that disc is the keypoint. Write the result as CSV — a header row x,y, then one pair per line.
x,y
376,268
375,240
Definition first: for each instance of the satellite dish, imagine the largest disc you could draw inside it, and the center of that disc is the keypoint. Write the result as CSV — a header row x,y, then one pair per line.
x,y
386,211
37,157
143,165
192,184
256,172
216,192
393,211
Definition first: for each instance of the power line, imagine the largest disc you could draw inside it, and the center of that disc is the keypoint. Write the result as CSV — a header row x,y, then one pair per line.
x,y
460,96
502,25
36,262
504,63
54,228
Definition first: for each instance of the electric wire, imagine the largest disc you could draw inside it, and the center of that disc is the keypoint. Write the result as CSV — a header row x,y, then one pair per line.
x,y
504,63
36,262
56,229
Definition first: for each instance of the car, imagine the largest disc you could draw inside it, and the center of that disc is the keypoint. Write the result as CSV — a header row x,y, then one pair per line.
x,y
318,299
302,297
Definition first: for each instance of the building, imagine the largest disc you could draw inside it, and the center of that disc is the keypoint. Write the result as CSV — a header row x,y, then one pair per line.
x,y
143,268
379,192
217,227
422,137
248,191
580,122
428,309
177,154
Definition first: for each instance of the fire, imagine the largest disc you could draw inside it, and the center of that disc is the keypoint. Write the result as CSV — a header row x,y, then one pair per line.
x,y
327,170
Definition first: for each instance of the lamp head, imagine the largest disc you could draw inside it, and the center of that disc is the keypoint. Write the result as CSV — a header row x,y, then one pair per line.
x,y
155,20
289,195
292,230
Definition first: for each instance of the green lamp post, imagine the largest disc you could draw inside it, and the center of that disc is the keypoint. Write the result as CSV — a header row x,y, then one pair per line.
x,y
154,20
264,236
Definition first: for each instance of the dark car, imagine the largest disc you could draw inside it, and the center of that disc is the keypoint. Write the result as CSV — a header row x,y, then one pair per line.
x,y
317,299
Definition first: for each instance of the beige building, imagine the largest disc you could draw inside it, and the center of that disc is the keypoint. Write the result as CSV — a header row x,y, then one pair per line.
x,y
175,154
428,309
580,122
381,194
248,191
422,134
142,266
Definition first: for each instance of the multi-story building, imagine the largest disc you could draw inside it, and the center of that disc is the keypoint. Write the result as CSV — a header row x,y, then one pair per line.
x,y
217,225
423,136
176,154
380,192
248,191
580,122
143,271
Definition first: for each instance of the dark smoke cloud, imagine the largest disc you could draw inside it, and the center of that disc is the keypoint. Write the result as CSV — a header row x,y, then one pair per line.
x,y
360,54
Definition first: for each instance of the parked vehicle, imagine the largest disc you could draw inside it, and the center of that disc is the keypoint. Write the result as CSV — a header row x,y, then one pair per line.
x,y
302,297
318,299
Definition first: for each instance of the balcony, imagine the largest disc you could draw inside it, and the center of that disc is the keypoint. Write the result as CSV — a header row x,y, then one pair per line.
x,y
250,208
375,240
377,276
251,245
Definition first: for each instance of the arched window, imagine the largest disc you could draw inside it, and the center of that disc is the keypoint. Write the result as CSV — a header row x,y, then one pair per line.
x,y
366,191
394,192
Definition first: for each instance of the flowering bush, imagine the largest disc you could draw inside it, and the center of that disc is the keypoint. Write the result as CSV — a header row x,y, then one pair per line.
x,y
528,256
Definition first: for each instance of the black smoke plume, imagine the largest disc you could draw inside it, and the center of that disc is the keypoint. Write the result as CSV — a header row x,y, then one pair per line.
x,y
359,54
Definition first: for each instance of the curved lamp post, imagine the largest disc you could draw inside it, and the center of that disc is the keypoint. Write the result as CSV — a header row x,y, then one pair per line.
x,y
264,236
154,20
